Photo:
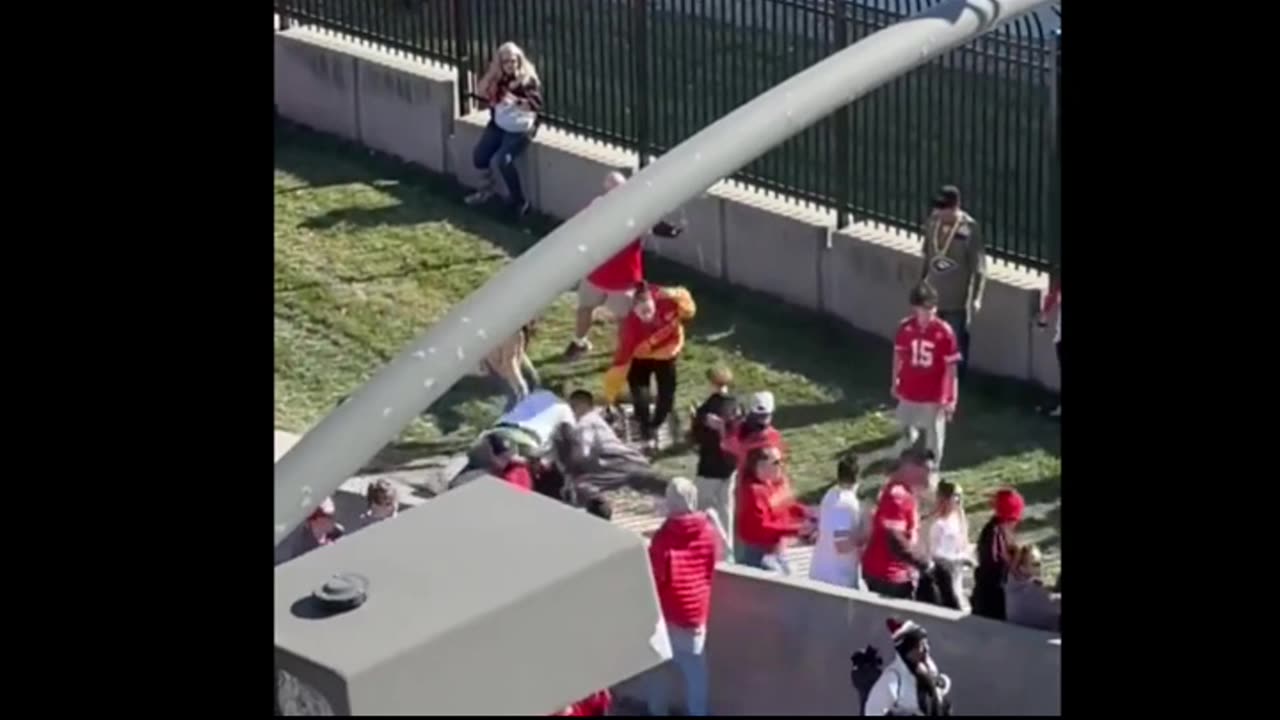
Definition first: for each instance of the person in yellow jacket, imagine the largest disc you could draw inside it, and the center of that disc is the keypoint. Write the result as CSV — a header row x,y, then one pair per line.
x,y
650,339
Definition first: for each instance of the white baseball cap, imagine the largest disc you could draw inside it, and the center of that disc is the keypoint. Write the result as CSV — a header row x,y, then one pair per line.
x,y
761,403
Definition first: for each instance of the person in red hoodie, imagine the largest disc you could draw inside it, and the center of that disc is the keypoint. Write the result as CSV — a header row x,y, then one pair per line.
x,y
767,512
612,284
507,464
593,705
683,555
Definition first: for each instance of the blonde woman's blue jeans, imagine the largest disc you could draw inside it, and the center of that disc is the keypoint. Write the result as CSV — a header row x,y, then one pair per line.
x,y
687,655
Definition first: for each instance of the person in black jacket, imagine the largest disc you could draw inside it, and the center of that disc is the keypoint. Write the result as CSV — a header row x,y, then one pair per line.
x,y
996,545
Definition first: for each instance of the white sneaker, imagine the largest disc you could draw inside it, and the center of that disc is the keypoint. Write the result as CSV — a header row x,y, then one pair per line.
x,y
478,197
1056,412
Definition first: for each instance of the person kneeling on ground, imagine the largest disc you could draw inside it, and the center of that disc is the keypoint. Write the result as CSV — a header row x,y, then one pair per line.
x,y
683,556
1027,601
592,455
649,343
514,94
768,513
996,544
911,684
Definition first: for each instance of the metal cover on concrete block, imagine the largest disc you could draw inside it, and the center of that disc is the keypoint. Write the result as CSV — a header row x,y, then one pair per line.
x,y
486,600
315,84
406,111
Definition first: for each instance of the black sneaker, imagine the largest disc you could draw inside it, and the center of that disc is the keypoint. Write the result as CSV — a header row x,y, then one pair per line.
x,y
576,350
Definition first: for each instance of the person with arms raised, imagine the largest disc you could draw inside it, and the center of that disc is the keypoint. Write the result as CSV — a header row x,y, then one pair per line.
x,y
650,339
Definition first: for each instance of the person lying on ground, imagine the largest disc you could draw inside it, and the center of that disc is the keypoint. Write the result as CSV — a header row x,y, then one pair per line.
x,y
590,453
650,339
613,284
506,463
1027,601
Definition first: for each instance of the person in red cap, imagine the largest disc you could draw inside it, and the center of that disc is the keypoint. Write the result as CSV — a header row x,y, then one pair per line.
x,y
593,705
892,560
995,550
507,464
911,684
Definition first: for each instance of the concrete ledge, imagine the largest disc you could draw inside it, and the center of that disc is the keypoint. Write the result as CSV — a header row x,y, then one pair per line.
x,y
407,109
571,170
780,646
701,245
315,83
774,246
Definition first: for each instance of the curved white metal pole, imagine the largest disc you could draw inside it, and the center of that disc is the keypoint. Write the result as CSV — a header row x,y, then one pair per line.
x,y
353,432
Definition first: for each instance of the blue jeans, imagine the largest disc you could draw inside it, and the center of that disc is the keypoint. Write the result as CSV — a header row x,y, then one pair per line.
x,y
507,146
760,557
959,321
687,647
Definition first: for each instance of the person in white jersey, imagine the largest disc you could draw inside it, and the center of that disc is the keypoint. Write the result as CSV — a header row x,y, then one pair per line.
x,y
835,557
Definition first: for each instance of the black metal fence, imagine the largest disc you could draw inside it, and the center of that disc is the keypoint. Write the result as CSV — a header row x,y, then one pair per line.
x,y
647,74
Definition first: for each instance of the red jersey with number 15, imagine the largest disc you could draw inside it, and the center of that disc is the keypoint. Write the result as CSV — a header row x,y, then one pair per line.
x,y
925,352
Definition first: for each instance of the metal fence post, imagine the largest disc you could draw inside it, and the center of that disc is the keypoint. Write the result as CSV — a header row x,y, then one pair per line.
x,y
462,54
1055,154
640,96
841,16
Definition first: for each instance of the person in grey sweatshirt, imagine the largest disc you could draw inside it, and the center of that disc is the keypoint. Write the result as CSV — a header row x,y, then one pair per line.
x,y
1027,601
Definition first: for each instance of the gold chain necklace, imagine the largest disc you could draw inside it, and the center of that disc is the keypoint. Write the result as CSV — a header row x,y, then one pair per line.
x,y
933,234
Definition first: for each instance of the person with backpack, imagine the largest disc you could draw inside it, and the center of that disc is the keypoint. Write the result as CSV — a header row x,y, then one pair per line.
x,y
911,684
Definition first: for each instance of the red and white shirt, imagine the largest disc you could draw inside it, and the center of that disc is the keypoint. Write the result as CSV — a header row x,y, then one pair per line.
x,y
925,352
895,513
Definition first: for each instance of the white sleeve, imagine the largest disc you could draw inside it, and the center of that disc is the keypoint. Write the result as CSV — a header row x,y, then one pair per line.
x,y
883,697
842,519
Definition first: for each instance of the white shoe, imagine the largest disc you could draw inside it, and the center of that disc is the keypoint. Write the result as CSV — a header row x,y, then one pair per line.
x,y
1056,412
478,197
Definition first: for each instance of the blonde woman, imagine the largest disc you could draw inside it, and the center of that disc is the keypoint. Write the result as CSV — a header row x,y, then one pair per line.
x,y
1027,601
946,537
514,94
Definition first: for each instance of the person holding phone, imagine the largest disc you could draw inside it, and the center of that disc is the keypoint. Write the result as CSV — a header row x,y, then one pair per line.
x,y
514,94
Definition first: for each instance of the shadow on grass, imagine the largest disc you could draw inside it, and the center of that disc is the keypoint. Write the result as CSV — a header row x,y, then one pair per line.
x,y
408,270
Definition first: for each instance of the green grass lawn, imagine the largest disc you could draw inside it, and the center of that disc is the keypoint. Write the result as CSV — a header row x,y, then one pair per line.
x,y
368,253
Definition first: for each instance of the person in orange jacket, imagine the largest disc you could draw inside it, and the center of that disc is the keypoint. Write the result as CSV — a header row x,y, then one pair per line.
x,y
650,339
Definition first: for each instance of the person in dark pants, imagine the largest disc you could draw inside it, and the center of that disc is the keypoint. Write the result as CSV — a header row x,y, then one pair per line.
x,y
650,339
955,264
996,548
514,94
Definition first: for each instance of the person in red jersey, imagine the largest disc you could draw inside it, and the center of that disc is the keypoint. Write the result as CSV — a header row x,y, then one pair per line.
x,y
507,464
891,561
767,512
593,705
755,430
611,285
925,356
650,339
683,556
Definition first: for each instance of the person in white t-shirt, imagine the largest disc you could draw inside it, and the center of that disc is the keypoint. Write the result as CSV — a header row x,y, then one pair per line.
x,y
835,557
946,536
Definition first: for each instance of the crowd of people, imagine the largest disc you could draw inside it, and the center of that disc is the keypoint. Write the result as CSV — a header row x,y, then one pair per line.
x,y
911,542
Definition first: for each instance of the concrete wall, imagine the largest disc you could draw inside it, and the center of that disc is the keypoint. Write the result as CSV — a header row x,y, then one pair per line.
x,y
781,647
860,274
